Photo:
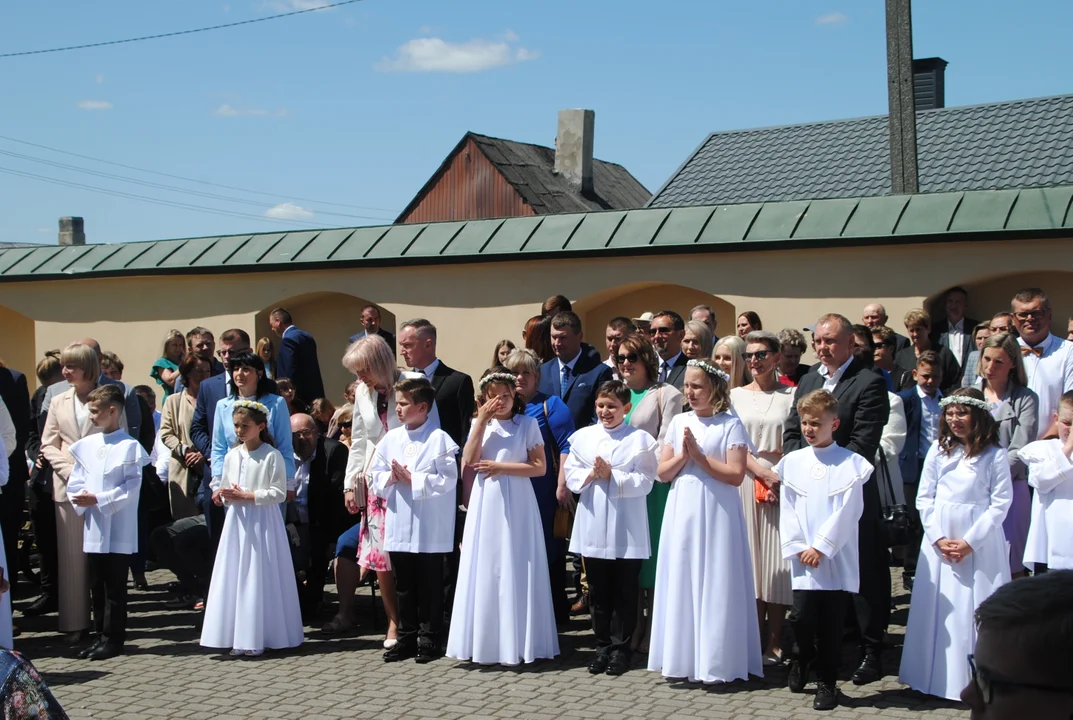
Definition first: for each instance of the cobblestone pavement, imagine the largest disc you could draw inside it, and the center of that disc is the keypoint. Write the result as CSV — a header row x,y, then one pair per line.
x,y
166,674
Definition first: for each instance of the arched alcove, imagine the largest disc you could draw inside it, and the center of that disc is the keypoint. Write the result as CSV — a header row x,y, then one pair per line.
x,y
331,318
18,343
992,294
632,300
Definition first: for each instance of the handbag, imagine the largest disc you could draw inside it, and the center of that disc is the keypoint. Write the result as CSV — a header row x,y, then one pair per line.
x,y
896,520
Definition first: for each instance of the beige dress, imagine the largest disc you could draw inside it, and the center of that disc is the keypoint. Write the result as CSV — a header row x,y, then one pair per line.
x,y
183,483
764,415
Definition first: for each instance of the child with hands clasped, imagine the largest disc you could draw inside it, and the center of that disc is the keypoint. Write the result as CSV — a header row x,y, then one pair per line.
x,y
502,609
104,488
253,595
704,624
1050,472
613,467
415,471
965,493
821,504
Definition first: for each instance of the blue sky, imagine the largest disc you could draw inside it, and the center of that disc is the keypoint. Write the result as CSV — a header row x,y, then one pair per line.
x,y
357,106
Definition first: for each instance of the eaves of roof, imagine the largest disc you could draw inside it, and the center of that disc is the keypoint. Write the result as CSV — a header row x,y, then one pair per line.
x,y
893,219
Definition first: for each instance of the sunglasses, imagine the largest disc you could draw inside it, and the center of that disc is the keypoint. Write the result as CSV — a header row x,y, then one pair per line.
x,y
760,355
986,683
1030,315
631,357
660,330
346,425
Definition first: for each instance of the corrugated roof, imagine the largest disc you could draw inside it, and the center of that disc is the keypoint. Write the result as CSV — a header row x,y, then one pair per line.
x,y
531,170
1024,143
936,217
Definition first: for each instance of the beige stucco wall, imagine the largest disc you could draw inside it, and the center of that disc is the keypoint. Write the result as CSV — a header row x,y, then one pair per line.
x,y
476,305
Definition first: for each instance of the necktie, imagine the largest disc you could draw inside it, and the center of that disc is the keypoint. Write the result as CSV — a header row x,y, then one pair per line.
x,y
1037,351
664,371
565,381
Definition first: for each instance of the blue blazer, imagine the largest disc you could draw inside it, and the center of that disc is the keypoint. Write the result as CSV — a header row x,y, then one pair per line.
x,y
224,438
908,458
580,393
298,361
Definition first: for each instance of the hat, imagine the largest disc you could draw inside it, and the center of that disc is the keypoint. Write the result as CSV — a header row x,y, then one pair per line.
x,y
809,328
644,321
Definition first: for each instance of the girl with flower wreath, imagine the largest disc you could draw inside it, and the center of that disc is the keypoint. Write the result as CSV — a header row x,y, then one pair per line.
x,y
253,596
704,625
965,493
502,608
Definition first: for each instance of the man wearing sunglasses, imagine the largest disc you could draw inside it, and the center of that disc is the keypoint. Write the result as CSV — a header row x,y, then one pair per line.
x,y
667,330
1048,359
1023,663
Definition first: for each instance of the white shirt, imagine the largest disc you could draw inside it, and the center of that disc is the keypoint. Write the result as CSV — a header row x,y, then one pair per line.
x,y
429,371
611,520
110,467
569,365
301,482
929,420
420,514
1049,376
821,503
830,381
1050,535
955,336
665,366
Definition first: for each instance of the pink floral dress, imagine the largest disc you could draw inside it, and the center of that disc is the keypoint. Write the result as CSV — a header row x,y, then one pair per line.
x,y
371,553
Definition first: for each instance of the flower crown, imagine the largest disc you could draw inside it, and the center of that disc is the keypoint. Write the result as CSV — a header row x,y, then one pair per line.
x,y
710,369
252,405
964,400
500,377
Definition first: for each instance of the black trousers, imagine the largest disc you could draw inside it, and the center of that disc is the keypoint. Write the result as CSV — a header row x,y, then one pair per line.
x,y
872,601
108,590
185,548
312,592
419,587
43,519
612,602
916,528
11,520
817,619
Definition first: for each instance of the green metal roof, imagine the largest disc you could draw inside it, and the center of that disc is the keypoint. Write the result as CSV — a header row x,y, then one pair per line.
x,y
934,217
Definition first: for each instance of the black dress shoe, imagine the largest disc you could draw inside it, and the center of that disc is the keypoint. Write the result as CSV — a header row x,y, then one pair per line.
x,y
427,653
140,582
400,652
826,696
84,652
907,583
619,664
599,664
185,602
870,669
106,650
41,606
797,678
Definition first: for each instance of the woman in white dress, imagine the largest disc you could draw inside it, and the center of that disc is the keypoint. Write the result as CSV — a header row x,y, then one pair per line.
x,y
503,610
253,596
965,493
704,619
763,406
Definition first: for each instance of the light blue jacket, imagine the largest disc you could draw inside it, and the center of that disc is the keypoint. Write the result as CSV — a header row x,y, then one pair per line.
x,y
279,425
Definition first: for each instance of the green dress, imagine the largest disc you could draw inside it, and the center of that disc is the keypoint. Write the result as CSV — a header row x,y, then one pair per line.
x,y
657,502
158,367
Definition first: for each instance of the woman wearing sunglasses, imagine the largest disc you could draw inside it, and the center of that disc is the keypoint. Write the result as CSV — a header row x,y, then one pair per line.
x,y
653,405
764,407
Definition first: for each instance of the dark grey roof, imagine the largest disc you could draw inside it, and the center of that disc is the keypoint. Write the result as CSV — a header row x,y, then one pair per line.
x,y
531,170
1024,143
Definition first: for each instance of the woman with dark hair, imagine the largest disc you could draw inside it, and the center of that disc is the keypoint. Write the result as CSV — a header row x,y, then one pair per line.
x,y
248,382
503,350
186,464
538,339
748,322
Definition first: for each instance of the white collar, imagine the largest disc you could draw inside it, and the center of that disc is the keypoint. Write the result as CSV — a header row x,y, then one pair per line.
x,y
1045,345
429,369
300,461
959,325
570,364
925,397
838,373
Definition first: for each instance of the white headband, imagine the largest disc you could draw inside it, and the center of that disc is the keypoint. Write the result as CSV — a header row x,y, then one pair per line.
x,y
709,368
964,400
503,377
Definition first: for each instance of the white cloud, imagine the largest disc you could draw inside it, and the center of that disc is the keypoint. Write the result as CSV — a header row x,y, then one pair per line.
x,y
832,19
433,54
94,105
226,110
288,211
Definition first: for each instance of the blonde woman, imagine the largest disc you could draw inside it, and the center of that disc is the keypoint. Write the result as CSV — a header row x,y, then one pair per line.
x,y
186,465
266,350
729,356
68,422
166,369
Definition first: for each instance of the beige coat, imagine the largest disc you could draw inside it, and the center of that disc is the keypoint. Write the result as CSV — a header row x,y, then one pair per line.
x,y
653,414
175,421
61,432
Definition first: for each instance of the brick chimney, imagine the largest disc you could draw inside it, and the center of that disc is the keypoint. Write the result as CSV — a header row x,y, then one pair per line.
x,y
71,232
573,147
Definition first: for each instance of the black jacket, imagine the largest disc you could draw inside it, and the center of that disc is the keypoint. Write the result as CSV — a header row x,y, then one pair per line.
x,y
455,401
325,494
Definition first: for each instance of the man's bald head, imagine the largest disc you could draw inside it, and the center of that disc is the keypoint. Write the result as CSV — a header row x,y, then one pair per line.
x,y
304,435
301,421
93,344
874,316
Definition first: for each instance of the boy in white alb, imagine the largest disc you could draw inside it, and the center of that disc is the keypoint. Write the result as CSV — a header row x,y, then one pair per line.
x,y
613,467
1050,472
103,488
415,470
821,502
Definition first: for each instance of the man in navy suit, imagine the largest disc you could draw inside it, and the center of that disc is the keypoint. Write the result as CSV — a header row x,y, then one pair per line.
x,y
573,375
297,357
16,396
667,330
370,321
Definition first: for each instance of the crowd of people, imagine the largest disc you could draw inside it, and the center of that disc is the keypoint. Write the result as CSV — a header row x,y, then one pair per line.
x,y
704,490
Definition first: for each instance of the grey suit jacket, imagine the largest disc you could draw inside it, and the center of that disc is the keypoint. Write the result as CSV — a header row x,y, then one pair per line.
x,y
1018,418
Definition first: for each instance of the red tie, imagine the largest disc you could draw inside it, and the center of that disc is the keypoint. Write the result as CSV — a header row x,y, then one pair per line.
x,y
1037,351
